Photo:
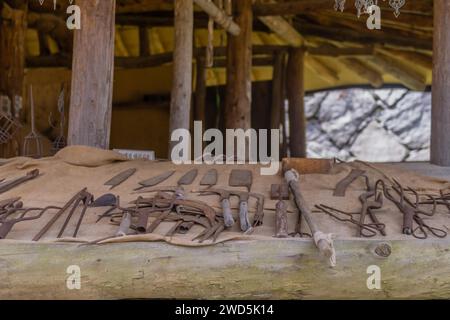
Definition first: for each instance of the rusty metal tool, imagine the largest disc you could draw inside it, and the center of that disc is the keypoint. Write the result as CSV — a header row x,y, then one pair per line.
x,y
120,178
57,215
323,242
341,186
243,210
106,200
10,184
32,144
367,206
155,180
225,203
241,178
281,222
86,201
85,198
280,192
259,215
209,179
7,224
60,142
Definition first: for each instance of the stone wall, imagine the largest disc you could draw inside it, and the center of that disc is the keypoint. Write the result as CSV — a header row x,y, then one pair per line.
x,y
372,125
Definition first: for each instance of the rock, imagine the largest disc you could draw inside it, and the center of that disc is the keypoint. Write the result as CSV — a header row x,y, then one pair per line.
x,y
410,119
344,112
313,103
375,144
419,155
388,98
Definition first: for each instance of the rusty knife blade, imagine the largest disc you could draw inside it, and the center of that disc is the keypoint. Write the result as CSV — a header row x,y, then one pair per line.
x,y
157,180
188,178
121,177
210,178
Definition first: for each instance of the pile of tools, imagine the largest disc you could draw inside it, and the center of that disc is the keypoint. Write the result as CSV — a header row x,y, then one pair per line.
x,y
414,206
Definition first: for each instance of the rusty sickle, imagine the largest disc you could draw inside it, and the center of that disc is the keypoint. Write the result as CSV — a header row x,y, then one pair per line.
x,y
225,202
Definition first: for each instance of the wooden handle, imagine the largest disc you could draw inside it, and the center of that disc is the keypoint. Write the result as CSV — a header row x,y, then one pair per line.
x,y
227,215
243,216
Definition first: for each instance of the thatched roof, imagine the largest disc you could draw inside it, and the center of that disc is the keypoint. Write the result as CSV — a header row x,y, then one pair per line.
x,y
341,50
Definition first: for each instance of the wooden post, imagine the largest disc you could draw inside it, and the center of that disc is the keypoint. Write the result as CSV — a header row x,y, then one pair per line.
x,y
144,43
180,105
13,26
440,115
200,91
92,75
239,70
295,94
277,90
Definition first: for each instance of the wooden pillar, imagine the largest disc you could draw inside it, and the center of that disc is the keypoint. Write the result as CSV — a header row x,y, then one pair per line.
x,y
239,70
200,91
277,90
144,43
92,75
440,115
13,26
295,95
180,105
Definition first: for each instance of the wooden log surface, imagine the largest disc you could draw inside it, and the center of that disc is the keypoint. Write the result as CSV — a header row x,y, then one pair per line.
x,y
180,102
239,270
92,75
239,70
440,118
219,16
295,94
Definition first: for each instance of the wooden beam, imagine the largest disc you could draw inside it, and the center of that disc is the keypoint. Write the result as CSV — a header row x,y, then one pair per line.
x,y
13,27
410,78
219,16
288,7
295,95
417,58
200,91
322,70
283,29
54,26
92,75
364,71
180,103
440,116
277,90
239,70
333,51
144,43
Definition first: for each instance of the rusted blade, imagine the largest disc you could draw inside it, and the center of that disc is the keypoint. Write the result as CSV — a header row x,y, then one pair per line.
x,y
279,192
157,180
121,177
188,178
241,178
210,178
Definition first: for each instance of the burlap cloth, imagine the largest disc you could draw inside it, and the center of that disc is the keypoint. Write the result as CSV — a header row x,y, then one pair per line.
x,y
77,167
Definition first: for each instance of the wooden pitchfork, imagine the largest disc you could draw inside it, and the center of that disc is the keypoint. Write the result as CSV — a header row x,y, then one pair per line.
x,y
32,145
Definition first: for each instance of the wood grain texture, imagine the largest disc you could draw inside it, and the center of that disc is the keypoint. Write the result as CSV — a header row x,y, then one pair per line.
x,y
92,75
295,95
180,103
239,270
239,70
440,117
13,26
